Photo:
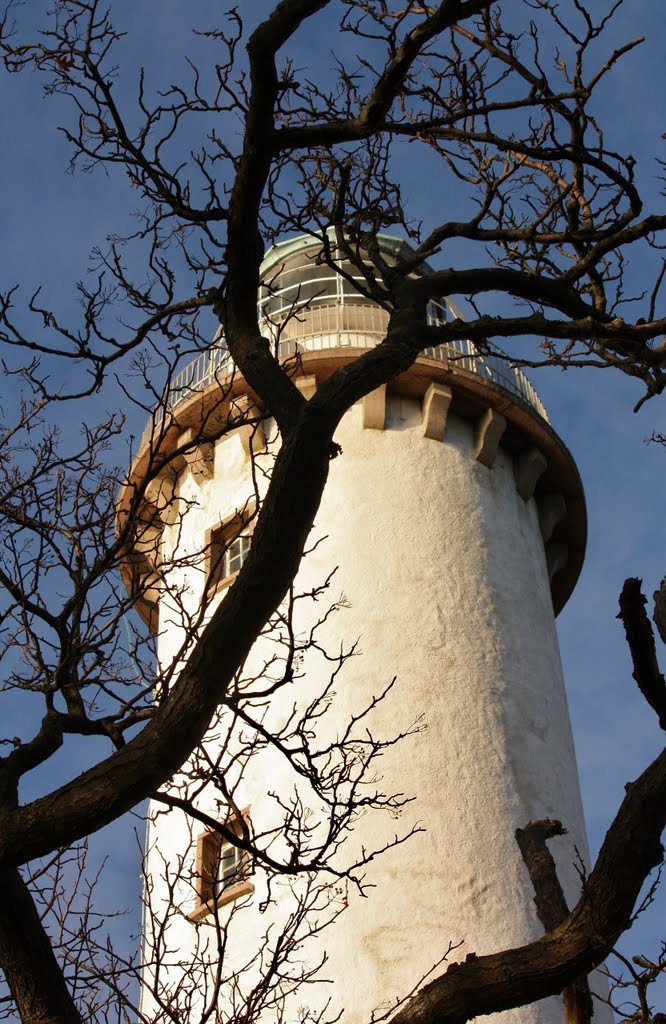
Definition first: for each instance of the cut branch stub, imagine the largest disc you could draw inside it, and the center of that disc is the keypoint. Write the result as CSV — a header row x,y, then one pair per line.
x,y
640,639
551,905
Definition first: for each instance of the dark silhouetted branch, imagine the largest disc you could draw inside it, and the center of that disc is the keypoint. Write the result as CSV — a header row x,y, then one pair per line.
x,y
551,904
640,639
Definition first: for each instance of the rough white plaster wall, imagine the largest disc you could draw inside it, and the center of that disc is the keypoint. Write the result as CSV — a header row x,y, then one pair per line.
x,y
443,565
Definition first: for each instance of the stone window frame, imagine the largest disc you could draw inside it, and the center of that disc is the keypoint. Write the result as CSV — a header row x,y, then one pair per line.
x,y
219,541
210,847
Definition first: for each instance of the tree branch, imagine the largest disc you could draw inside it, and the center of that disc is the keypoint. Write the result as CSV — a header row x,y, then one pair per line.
x,y
117,783
660,609
551,905
27,959
640,639
237,304
488,984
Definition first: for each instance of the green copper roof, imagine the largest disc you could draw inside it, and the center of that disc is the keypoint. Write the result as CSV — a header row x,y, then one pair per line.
x,y
283,250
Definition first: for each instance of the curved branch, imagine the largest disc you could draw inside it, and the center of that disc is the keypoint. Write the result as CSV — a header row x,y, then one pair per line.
x,y
237,304
487,984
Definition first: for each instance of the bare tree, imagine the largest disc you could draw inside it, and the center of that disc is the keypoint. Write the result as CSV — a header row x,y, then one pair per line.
x,y
504,103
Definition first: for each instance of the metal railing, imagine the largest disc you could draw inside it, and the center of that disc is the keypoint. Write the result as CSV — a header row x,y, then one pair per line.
x,y
343,320
325,312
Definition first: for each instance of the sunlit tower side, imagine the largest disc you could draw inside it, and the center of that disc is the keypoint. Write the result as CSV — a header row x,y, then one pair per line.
x,y
457,520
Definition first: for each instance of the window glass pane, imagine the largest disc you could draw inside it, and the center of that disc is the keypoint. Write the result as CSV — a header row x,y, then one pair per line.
x,y
236,554
308,271
309,290
229,863
226,557
230,868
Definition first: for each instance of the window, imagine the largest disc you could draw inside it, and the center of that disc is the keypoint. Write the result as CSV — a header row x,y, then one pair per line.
x,y
227,548
222,870
230,868
233,555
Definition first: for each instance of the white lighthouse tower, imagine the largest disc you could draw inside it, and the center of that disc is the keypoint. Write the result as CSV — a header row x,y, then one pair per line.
x,y
455,522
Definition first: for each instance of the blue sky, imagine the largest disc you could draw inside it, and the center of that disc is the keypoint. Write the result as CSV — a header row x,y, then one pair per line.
x,y
50,220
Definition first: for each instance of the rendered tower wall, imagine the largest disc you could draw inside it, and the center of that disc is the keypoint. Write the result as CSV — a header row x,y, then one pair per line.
x,y
449,513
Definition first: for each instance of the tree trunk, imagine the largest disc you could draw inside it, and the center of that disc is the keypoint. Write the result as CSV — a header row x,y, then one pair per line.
x,y
33,974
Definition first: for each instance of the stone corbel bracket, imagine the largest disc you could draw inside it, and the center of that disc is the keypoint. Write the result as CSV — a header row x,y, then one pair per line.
x,y
487,436
529,467
436,402
200,457
307,386
552,509
252,435
374,409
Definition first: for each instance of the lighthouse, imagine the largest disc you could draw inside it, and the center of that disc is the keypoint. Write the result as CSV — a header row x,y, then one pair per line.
x,y
420,630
